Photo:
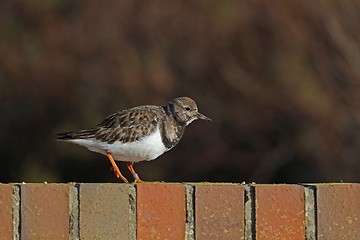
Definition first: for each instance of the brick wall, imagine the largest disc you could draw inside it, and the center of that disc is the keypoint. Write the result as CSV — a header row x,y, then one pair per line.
x,y
179,211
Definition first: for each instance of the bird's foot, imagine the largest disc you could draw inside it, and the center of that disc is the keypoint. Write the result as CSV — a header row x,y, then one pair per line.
x,y
138,180
118,174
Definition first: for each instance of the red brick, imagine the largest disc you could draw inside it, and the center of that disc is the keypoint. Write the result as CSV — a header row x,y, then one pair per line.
x,y
280,212
104,211
219,212
5,211
44,211
161,211
338,211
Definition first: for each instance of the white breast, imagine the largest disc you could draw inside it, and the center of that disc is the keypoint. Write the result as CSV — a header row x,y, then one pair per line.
x,y
147,148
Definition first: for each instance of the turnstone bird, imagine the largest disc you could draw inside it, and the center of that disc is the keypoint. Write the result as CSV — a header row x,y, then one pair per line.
x,y
138,134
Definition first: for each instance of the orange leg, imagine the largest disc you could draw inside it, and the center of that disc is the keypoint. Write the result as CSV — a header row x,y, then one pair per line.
x,y
115,168
136,177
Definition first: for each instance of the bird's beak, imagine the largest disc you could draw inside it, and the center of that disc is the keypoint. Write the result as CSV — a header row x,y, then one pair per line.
x,y
201,116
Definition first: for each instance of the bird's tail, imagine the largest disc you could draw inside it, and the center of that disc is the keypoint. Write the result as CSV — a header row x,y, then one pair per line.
x,y
89,133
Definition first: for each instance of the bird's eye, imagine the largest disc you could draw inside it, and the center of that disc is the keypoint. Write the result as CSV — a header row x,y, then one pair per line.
x,y
188,109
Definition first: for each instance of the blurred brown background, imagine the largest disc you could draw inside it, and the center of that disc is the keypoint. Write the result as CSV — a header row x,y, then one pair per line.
x,y
280,79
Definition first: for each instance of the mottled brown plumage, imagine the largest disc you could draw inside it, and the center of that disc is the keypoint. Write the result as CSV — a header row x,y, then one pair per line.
x,y
125,126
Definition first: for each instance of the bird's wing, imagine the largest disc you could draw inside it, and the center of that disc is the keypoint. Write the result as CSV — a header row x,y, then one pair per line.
x,y
125,126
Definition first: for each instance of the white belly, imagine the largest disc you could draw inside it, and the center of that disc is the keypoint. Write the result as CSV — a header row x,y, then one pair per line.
x,y
147,148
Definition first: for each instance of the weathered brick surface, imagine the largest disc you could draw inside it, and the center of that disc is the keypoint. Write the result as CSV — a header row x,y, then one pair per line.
x,y
280,212
5,212
161,212
219,212
44,211
338,211
104,211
